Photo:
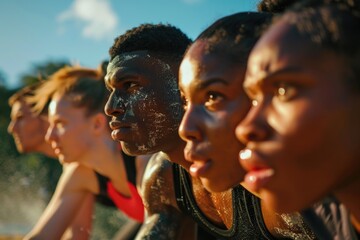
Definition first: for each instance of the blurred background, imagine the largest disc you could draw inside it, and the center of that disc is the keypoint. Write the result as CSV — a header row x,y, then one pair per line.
x,y
37,38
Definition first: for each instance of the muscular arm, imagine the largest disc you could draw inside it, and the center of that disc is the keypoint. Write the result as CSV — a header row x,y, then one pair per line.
x,y
163,219
70,194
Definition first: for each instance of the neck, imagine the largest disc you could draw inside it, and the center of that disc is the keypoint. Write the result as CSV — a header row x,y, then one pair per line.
x,y
349,195
46,149
176,155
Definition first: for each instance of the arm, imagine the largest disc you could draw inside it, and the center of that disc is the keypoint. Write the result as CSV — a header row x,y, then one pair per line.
x,y
81,226
71,192
163,219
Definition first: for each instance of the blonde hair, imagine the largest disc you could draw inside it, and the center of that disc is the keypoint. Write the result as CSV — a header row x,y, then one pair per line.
x,y
84,87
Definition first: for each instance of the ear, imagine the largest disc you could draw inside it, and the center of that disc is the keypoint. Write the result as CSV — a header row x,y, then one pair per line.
x,y
100,123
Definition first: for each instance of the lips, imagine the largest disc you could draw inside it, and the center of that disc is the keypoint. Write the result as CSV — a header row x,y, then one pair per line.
x,y
120,130
258,172
199,168
200,164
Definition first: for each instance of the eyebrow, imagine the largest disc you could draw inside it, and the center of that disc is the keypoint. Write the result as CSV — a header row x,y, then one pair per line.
x,y
115,78
274,74
208,82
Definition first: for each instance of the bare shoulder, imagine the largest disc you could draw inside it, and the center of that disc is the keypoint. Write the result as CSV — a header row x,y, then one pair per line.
x,y
158,178
76,177
163,218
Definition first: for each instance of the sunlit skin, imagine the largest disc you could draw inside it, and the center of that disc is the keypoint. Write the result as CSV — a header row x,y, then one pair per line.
x,y
142,121
28,129
215,102
68,132
302,132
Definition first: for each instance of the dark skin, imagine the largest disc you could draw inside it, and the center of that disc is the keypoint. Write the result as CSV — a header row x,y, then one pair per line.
x,y
141,96
133,81
210,82
302,99
134,78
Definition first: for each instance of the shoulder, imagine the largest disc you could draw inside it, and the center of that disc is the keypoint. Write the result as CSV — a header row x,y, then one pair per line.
x,y
158,178
78,177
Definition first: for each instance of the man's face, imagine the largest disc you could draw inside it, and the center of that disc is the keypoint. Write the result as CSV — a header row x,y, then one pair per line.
x,y
27,128
302,132
144,103
211,85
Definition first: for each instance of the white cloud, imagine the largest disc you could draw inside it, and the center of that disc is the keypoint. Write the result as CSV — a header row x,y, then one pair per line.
x,y
97,16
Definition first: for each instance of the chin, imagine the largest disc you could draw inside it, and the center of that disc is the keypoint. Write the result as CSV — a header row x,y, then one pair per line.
x,y
137,149
215,186
282,203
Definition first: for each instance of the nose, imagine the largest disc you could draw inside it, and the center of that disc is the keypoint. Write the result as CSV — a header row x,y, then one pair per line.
x,y
188,129
114,106
11,127
50,134
253,127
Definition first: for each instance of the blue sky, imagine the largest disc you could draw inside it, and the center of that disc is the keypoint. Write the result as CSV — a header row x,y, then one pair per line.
x,y
81,31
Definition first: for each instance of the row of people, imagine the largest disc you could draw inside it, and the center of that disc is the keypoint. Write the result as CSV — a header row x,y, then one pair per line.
x,y
183,102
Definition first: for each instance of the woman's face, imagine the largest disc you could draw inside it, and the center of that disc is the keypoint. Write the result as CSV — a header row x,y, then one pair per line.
x,y
215,102
27,128
302,131
70,131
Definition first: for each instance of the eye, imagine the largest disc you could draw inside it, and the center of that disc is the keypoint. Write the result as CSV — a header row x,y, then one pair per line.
x,y
59,125
131,85
214,100
185,102
254,102
285,92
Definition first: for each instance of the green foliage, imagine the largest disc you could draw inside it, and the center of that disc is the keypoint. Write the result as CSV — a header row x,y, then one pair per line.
x,y
42,71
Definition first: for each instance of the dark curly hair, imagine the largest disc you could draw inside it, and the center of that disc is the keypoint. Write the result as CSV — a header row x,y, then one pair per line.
x,y
332,25
236,34
275,6
159,38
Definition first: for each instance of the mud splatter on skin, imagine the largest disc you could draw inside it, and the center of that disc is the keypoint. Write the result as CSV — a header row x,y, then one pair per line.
x,y
156,108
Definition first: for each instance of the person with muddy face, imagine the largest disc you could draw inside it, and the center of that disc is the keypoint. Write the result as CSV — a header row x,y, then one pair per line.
x,y
146,110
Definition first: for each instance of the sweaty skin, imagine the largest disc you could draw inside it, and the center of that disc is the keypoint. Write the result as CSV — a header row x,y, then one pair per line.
x,y
210,84
146,109
129,81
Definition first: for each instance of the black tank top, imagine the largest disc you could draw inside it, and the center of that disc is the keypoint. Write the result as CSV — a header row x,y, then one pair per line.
x,y
103,197
248,222
329,219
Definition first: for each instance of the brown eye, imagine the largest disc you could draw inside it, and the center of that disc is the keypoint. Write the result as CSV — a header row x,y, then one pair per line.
x,y
214,100
285,92
185,102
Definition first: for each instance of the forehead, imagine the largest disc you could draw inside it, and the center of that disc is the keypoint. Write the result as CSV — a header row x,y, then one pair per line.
x,y
139,63
200,64
125,58
59,105
20,106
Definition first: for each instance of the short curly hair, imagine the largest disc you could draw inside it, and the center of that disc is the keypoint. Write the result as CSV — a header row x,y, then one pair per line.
x,y
235,35
275,6
164,39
